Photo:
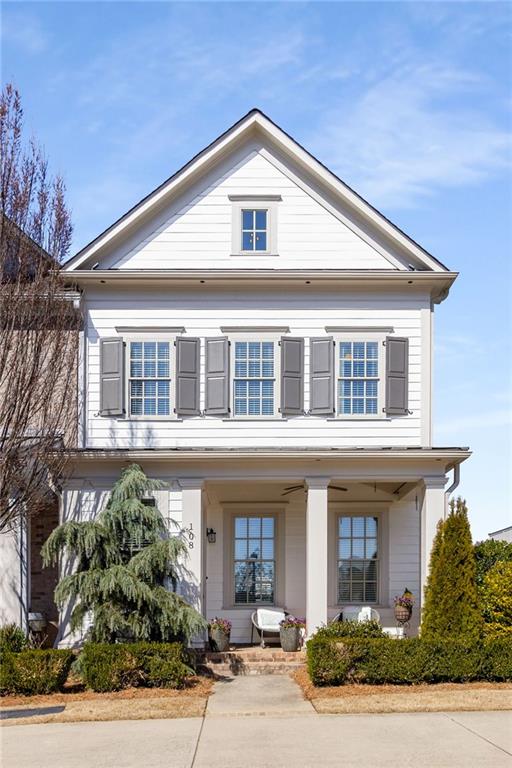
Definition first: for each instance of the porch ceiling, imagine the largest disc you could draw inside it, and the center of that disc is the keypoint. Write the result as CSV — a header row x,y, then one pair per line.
x,y
221,492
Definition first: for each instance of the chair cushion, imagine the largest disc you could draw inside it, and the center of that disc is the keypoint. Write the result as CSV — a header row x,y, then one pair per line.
x,y
268,618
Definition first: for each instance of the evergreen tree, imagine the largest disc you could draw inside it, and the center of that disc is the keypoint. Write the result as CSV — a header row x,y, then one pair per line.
x,y
127,569
451,599
430,616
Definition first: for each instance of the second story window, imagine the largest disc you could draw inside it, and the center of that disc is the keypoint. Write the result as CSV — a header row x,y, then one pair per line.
x,y
358,378
149,383
254,379
254,229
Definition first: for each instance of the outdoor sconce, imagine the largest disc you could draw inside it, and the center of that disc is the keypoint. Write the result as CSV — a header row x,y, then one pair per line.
x,y
211,535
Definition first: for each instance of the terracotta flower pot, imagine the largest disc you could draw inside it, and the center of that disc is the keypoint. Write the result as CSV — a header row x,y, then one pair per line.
x,y
290,638
220,640
402,613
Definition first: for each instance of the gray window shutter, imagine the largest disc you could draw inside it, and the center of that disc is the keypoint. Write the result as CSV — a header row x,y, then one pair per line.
x,y
112,377
217,375
187,375
292,376
397,375
321,376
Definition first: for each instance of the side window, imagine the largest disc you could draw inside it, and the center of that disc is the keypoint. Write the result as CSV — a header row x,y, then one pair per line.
x,y
254,383
149,378
358,378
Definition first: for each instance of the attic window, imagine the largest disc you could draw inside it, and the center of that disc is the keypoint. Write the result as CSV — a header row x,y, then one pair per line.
x,y
254,229
254,224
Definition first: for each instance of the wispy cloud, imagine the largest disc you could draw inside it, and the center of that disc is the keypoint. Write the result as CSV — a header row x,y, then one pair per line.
x,y
25,32
409,134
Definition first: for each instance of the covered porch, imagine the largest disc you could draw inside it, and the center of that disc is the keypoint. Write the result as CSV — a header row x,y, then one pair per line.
x,y
310,531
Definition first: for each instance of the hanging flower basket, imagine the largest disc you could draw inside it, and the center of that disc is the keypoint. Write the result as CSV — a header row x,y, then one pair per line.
x,y
402,613
403,606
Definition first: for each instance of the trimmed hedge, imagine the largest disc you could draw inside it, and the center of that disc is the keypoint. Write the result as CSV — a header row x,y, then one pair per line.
x,y
12,638
113,667
333,661
34,672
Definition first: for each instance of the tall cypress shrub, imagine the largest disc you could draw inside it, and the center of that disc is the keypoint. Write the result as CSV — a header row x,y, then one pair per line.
x,y
451,600
430,616
127,569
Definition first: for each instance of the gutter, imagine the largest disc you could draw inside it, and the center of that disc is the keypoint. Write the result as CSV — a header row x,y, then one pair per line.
x,y
453,486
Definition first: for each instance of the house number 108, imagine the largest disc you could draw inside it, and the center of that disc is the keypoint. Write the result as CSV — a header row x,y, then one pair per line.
x,y
189,532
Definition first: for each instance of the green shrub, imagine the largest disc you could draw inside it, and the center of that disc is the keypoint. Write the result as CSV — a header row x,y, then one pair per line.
x,y
496,595
334,661
113,667
34,672
487,554
352,629
12,638
498,659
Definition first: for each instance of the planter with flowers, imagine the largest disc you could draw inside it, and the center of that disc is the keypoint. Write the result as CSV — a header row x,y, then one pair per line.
x,y
403,606
290,631
219,631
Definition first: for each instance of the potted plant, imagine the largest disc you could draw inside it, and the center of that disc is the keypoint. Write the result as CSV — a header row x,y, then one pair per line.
x,y
290,632
403,606
219,631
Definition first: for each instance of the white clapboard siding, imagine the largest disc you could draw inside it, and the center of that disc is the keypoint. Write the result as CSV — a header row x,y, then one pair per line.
x,y
196,231
203,314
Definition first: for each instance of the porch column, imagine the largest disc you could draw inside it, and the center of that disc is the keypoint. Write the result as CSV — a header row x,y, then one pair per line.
x,y
193,530
432,510
316,553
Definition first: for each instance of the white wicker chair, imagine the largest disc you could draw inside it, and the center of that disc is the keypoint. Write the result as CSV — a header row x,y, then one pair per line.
x,y
357,613
267,620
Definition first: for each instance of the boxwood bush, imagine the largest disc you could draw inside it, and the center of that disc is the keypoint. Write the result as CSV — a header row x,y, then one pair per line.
x,y
113,667
338,660
34,671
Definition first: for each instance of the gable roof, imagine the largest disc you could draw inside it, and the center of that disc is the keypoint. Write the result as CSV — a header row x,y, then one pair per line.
x,y
257,122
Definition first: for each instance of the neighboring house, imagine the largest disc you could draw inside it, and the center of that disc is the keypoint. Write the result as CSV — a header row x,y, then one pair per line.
x,y
504,534
259,337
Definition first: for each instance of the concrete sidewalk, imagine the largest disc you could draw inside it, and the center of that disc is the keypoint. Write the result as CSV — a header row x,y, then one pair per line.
x,y
454,740
258,695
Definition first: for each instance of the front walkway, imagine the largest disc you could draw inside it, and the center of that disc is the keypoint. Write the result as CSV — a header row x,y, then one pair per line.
x,y
257,695
437,740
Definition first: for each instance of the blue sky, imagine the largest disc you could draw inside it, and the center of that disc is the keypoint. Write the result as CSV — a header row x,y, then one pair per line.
x,y
410,103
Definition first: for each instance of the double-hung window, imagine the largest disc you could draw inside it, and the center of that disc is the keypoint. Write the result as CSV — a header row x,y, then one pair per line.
x,y
149,378
358,378
358,559
254,378
254,559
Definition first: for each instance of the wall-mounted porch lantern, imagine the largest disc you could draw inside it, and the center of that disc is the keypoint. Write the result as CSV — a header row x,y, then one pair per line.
x,y
211,535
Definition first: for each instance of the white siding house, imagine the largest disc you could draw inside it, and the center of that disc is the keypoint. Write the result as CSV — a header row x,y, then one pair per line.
x,y
260,338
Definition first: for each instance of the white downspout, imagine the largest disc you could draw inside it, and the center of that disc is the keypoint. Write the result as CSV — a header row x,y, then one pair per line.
x,y
453,486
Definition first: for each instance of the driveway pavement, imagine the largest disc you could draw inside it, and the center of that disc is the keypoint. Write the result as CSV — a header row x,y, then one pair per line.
x,y
437,740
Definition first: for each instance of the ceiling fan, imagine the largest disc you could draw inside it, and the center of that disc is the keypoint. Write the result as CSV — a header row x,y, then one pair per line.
x,y
293,488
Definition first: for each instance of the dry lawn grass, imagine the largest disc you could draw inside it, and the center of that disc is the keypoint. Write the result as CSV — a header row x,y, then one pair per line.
x,y
130,704
442,697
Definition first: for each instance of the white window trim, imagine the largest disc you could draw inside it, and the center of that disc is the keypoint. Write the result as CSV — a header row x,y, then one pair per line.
x,y
153,336
362,335
361,509
253,509
260,337
236,226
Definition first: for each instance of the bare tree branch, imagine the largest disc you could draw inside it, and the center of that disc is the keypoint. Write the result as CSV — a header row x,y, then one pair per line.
x,y
39,324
